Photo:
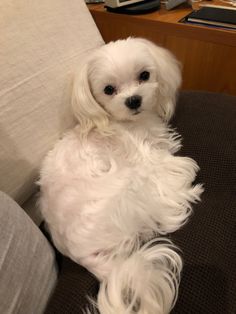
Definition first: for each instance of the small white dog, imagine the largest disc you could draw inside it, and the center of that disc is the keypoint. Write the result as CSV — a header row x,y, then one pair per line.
x,y
112,184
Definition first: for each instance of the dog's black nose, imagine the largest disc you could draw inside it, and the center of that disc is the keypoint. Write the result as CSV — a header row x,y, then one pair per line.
x,y
133,102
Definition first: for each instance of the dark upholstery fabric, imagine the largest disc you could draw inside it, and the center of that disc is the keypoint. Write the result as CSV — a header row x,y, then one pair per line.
x,y
75,285
207,123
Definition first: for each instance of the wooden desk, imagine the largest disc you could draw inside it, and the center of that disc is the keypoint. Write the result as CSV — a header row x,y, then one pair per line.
x,y
208,55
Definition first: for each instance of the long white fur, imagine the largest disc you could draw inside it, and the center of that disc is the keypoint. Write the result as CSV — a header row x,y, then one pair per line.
x,y
113,183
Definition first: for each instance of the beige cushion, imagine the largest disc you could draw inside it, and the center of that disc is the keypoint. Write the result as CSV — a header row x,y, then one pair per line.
x,y
41,42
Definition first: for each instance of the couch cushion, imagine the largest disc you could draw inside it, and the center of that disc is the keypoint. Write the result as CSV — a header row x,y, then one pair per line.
x,y
207,123
41,44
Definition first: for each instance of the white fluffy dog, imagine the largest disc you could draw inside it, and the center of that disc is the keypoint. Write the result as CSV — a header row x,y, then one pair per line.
x,y
112,184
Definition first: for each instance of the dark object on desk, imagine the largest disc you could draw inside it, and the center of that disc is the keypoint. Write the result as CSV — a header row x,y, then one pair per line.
x,y
94,1
137,8
213,17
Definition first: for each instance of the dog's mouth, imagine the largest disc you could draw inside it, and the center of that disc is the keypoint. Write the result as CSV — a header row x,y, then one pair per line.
x,y
136,112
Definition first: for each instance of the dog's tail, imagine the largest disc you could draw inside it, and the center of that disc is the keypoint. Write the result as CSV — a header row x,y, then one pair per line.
x,y
146,282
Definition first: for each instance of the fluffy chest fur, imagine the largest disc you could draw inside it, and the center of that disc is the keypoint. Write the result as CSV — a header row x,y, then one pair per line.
x,y
101,192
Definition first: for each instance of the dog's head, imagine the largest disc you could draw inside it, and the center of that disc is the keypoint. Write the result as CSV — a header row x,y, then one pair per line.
x,y
121,80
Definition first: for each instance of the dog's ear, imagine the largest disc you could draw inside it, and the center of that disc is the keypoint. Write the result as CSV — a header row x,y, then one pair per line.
x,y
85,107
169,79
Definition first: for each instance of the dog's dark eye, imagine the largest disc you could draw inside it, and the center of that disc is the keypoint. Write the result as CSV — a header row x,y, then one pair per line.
x,y
109,90
144,76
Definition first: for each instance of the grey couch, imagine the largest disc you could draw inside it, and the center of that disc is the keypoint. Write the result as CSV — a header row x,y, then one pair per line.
x,y
42,44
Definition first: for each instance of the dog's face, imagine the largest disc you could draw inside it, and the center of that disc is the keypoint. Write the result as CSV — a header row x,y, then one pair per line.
x,y
123,79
